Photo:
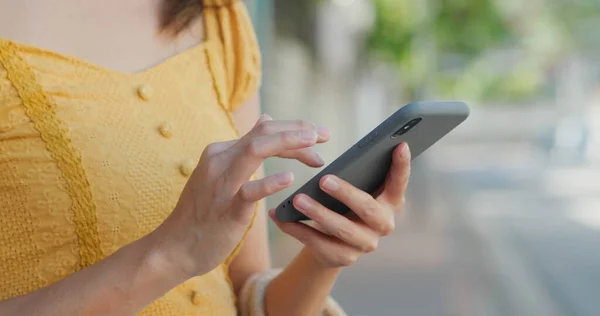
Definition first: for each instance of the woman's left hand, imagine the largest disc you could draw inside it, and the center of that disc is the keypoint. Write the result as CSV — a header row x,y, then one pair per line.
x,y
341,240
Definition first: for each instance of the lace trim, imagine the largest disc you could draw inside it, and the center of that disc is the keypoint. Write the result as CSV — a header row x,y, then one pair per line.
x,y
42,112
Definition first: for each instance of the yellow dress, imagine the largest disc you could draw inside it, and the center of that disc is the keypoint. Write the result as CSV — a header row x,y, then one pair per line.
x,y
92,159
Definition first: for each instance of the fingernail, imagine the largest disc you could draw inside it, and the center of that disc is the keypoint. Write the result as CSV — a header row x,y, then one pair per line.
x,y
405,150
308,135
323,131
284,178
265,117
330,184
302,203
272,213
319,158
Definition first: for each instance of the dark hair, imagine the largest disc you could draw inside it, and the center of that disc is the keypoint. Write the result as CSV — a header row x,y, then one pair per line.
x,y
177,15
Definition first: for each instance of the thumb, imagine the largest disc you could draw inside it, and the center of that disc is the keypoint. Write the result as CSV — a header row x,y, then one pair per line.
x,y
397,178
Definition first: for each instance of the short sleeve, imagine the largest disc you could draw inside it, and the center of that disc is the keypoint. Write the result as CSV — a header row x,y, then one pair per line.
x,y
229,25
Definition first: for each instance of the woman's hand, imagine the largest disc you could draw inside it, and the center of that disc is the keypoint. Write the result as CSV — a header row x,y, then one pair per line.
x,y
340,240
217,204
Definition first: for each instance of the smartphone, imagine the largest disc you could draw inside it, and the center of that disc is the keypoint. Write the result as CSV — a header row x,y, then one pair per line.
x,y
366,164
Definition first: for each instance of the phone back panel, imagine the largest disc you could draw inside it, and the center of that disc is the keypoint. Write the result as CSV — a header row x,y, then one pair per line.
x,y
366,164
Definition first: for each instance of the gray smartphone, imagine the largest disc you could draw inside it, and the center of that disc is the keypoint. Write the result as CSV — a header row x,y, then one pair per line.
x,y
366,164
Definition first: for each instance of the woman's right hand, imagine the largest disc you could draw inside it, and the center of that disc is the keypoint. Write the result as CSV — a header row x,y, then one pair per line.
x,y
218,201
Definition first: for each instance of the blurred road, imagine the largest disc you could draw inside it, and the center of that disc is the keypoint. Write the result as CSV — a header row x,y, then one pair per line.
x,y
494,226
506,240
484,240
549,229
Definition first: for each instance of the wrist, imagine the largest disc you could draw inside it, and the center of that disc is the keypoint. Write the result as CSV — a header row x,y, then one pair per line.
x,y
302,287
311,260
168,256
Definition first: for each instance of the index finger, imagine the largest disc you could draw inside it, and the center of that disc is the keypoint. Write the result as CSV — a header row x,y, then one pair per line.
x,y
269,126
247,155
397,178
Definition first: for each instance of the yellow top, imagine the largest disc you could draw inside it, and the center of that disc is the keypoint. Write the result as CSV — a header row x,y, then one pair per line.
x,y
92,159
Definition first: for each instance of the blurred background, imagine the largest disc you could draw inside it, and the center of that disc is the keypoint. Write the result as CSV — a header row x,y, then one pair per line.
x,y
503,215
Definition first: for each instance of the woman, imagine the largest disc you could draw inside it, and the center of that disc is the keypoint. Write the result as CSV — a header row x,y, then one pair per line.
x,y
123,189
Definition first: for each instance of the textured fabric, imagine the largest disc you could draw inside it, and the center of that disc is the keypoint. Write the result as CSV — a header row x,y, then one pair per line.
x,y
252,296
92,159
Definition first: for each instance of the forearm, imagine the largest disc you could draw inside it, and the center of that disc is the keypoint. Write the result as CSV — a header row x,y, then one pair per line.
x,y
301,289
122,284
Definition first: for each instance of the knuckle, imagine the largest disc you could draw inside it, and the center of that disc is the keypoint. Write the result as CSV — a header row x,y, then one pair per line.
x,y
287,137
212,164
245,193
242,218
270,186
405,177
398,208
211,149
253,148
370,208
371,246
263,128
387,228
345,259
302,124
344,233
405,180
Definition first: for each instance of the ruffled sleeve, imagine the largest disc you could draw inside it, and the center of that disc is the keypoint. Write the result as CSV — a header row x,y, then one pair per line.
x,y
229,28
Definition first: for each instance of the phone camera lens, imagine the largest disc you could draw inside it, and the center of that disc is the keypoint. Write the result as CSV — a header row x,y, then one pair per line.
x,y
407,127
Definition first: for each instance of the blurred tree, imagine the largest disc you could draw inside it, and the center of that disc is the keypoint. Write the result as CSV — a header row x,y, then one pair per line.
x,y
478,49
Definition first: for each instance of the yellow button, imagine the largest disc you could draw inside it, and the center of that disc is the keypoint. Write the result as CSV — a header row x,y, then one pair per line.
x,y
196,298
187,167
145,92
166,130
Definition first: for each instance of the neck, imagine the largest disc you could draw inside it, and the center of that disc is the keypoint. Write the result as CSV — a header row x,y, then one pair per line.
x,y
121,35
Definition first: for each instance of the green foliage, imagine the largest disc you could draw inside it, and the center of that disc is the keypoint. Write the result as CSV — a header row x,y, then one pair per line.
x,y
447,47
469,27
